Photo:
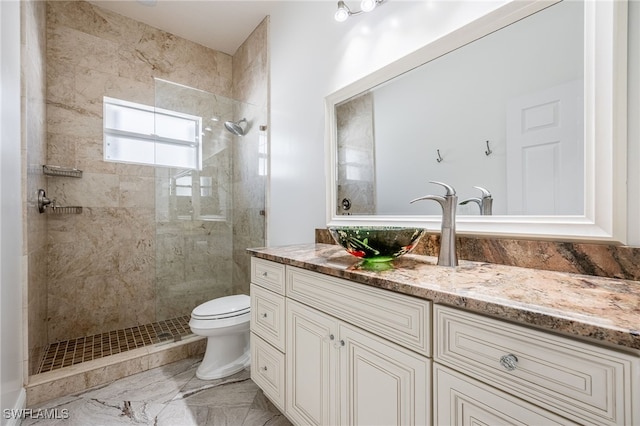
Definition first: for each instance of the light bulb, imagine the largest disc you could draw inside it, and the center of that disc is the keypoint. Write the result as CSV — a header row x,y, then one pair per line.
x,y
342,13
368,5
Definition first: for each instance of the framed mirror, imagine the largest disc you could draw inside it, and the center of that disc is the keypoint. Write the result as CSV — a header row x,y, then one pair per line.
x,y
527,103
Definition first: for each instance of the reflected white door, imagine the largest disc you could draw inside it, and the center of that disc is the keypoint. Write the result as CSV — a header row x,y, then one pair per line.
x,y
545,152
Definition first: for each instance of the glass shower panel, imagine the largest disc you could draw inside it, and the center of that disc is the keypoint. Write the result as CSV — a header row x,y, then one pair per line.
x,y
202,212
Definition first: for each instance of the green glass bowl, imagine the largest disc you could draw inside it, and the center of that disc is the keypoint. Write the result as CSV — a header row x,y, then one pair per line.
x,y
376,243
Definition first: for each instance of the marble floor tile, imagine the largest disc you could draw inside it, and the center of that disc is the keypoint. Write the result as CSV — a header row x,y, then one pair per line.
x,y
170,395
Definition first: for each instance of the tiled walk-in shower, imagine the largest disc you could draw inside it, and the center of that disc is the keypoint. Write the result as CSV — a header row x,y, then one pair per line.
x,y
74,351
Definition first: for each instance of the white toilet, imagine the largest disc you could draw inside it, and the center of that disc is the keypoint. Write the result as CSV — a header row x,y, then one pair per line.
x,y
225,323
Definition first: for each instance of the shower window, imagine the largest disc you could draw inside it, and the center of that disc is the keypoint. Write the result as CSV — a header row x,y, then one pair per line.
x,y
136,133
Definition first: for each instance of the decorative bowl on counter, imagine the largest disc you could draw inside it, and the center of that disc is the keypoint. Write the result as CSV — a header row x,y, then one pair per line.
x,y
376,243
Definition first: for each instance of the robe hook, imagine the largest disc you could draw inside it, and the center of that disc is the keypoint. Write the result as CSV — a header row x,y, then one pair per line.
x,y
439,159
488,151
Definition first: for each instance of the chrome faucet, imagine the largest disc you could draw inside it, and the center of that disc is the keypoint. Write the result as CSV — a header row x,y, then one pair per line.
x,y
485,203
447,255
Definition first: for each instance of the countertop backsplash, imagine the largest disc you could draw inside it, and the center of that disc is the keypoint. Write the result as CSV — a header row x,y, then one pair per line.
x,y
602,260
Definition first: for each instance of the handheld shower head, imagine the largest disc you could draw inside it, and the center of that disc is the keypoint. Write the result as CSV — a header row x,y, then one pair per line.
x,y
235,127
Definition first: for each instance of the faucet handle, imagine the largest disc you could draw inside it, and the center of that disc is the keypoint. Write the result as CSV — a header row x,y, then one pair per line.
x,y
485,192
449,188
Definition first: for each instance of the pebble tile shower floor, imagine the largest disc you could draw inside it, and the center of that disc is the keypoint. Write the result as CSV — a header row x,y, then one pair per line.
x,y
74,351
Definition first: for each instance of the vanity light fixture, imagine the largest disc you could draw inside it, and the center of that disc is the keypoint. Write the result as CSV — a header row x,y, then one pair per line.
x,y
344,12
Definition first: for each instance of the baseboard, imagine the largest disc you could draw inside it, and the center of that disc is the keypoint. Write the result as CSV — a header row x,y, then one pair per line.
x,y
21,404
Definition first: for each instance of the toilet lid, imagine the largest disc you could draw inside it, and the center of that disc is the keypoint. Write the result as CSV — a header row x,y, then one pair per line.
x,y
223,307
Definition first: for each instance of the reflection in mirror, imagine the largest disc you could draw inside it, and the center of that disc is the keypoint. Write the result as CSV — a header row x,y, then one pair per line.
x,y
505,113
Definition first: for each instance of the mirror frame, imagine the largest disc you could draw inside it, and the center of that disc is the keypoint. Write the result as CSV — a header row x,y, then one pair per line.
x,y
605,97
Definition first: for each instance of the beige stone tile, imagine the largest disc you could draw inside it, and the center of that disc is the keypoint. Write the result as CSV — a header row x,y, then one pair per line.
x,y
92,190
165,354
61,150
61,87
45,391
137,191
116,370
69,119
134,169
90,157
88,18
81,49
92,85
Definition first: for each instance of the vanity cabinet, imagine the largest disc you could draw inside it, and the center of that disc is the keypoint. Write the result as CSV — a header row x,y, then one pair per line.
x,y
268,329
356,355
579,381
329,351
460,400
340,374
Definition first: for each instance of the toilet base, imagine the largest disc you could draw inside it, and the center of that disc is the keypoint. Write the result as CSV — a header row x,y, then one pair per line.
x,y
225,356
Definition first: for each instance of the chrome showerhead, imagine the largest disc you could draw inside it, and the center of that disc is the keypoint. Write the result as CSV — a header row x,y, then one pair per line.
x,y
235,127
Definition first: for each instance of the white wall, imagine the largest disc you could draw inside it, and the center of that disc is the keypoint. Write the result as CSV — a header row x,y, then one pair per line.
x,y
633,154
11,259
311,58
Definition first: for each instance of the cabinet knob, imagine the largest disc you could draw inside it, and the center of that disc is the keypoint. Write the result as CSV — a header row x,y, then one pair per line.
x,y
331,337
509,362
264,315
264,274
341,342
264,368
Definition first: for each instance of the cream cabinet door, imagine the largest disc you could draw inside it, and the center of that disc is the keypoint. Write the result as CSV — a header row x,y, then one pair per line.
x,y
461,400
381,383
311,361
340,374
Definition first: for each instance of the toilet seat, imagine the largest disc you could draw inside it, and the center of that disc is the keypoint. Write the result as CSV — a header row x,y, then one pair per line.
x,y
223,308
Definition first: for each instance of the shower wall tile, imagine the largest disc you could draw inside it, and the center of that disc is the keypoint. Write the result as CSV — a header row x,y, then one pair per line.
x,y
250,67
250,85
100,302
91,86
90,155
134,169
69,119
102,263
92,190
137,191
34,154
193,264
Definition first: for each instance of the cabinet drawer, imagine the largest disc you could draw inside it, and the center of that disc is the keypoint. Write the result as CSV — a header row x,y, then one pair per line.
x,y
267,370
399,318
460,400
583,382
268,274
268,316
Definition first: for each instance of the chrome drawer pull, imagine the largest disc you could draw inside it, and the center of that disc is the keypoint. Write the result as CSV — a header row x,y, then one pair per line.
x,y
509,362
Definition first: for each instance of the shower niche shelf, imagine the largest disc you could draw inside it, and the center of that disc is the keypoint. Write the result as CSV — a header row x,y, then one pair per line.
x,y
65,210
61,171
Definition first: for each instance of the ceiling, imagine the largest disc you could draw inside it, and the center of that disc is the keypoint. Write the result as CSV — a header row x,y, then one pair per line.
x,y
221,25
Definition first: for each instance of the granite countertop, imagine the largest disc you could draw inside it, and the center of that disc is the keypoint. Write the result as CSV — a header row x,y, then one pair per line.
x,y
604,309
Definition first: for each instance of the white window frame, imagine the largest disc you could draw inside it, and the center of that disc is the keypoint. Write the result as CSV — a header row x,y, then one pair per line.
x,y
111,131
